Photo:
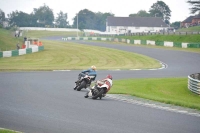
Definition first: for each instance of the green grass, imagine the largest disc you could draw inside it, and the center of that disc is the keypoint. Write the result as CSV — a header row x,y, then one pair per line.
x,y
8,131
190,29
167,90
43,33
68,55
8,41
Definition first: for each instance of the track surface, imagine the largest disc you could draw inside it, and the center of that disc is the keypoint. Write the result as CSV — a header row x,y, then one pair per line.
x,y
44,102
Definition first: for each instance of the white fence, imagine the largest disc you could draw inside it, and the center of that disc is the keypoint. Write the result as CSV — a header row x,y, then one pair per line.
x,y
61,29
194,83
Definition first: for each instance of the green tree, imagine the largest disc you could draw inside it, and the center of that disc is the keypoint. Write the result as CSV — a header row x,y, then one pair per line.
x,y
195,4
33,20
141,13
101,20
86,19
19,18
160,9
2,17
90,20
175,24
61,20
44,16
133,15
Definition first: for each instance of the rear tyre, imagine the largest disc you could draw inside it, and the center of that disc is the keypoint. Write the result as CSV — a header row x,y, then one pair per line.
x,y
82,85
98,95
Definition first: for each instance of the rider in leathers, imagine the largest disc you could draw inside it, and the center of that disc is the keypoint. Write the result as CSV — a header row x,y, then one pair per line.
x,y
90,72
107,81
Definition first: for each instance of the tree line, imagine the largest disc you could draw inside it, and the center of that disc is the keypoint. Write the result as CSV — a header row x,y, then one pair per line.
x,y
44,17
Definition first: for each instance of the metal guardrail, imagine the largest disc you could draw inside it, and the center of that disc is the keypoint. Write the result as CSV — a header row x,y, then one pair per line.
x,y
194,83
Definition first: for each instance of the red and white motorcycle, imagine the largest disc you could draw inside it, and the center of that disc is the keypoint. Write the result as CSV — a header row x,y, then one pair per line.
x,y
99,89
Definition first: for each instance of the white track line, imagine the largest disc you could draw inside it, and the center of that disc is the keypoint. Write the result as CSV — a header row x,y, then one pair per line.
x,y
152,105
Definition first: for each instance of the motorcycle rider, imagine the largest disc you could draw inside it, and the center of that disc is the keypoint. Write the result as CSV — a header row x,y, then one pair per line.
x,y
107,81
90,72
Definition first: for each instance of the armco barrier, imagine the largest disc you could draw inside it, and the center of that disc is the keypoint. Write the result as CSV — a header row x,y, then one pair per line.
x,y
177,44
168,44
1,54
143,42
137,42
193,45
15,53
132,41
21,51
194,83
160,43
151,42
41,48
29,50
7,53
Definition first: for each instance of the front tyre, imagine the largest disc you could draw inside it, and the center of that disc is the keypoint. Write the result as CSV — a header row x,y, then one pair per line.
x,y
82,85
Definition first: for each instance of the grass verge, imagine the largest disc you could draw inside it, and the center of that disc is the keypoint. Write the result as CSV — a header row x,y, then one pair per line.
x,y
190,29
2,130
8,41
43,33
167,90
68,55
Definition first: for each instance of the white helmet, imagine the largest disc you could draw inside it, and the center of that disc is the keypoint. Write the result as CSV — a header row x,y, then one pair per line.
x,y
93,67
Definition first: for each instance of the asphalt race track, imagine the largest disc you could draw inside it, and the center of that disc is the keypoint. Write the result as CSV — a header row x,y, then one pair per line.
x,y
45,102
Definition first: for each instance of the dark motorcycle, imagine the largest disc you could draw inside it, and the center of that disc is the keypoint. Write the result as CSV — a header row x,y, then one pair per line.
x,y
84,81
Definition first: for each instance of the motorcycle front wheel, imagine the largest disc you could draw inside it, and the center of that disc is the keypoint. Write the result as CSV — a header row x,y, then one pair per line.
x,y
82,85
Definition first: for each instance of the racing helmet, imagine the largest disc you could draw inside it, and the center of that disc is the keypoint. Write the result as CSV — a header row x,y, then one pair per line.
x,y
109,76
93,67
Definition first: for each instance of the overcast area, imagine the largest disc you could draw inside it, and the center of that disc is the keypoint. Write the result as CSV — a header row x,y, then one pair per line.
x,y
180,9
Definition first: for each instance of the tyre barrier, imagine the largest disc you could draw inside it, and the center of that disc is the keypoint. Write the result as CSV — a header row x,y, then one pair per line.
x,y
194,83
142,42
21,51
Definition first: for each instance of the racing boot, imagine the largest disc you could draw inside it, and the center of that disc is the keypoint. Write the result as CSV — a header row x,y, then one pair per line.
x,y
75,87
86,95
88,89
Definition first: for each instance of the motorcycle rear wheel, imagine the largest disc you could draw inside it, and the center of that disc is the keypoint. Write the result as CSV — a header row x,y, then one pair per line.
x,y
98,95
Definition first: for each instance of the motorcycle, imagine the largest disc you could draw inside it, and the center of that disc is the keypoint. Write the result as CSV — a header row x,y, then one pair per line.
x,y
84,81
99,90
